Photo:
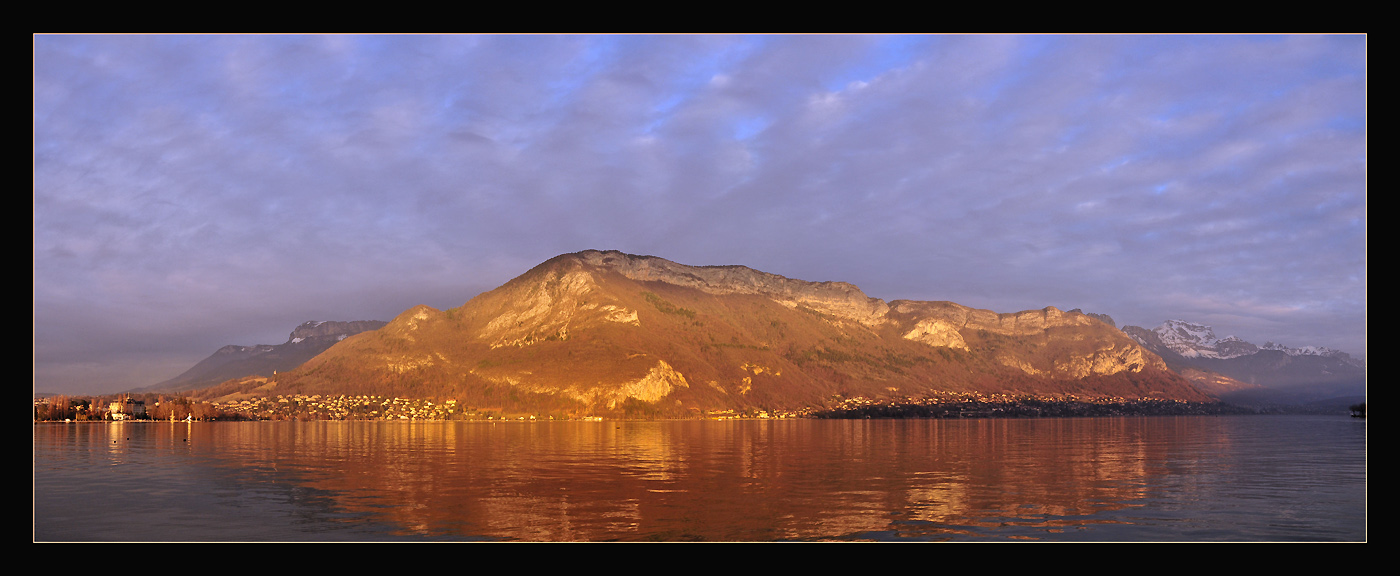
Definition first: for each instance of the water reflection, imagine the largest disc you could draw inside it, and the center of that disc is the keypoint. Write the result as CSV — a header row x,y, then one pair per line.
x,y
1107,478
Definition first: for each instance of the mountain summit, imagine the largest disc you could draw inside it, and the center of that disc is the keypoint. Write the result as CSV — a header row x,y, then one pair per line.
x,y
603,332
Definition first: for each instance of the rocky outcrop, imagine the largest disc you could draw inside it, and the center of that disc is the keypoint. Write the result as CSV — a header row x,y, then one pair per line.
x,y
1024,323
1105,318
835,298
936,332
1110,359
658,383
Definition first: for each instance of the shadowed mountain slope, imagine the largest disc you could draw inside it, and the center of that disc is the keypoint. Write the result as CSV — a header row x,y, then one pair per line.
x,y
233,361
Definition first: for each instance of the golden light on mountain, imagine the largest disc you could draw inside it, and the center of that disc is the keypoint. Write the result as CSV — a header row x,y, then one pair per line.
x,y
617,334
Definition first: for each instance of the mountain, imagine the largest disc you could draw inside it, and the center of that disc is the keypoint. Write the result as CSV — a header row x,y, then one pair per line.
x,y
1270,374
613,333
1199,341
1105,318
233,361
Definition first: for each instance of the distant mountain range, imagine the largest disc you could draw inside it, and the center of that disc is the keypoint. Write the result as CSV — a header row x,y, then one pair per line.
x,y
613,333
1198,341
1271,373
233,361
610,333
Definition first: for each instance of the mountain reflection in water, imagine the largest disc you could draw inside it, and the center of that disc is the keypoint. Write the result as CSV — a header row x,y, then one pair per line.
x,y
1135,478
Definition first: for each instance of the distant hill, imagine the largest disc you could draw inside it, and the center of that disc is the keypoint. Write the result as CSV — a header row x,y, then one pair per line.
x,y
612,333
229,362
1263,375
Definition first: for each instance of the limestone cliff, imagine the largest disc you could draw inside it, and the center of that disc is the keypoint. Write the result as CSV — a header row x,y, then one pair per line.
x,y
835,298
608,332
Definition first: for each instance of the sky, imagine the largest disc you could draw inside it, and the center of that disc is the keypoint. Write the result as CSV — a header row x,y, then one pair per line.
x,y
196,191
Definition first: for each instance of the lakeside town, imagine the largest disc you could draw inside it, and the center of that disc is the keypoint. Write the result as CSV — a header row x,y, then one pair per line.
x,y
1001,405
280,407
374,407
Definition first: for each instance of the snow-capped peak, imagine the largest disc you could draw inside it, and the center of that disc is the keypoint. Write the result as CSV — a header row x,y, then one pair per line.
x,y
1185,337
1304,351
1198,340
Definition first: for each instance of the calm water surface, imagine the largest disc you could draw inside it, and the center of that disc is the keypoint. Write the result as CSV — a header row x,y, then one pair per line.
x,y
1209,478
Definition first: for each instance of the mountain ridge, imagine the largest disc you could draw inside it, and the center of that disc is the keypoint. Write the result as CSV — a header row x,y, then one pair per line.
x,y
1246,373
1198,340
613,333
305,342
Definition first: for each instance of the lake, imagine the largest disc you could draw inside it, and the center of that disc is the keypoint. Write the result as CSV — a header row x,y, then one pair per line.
x,y
1165,478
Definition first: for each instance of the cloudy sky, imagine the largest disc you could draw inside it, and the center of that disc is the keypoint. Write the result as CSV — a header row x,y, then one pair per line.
x,y
197,191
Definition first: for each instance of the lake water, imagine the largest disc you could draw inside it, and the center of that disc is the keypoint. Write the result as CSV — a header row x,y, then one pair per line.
x,y
1197,478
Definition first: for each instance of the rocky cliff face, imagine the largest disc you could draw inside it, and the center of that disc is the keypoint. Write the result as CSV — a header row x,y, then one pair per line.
x,y
332,329
933,324
1105,318
1082,346
836,298
607,332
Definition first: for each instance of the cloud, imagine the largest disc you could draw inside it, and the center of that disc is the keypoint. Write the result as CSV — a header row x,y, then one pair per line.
x,y
235,186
